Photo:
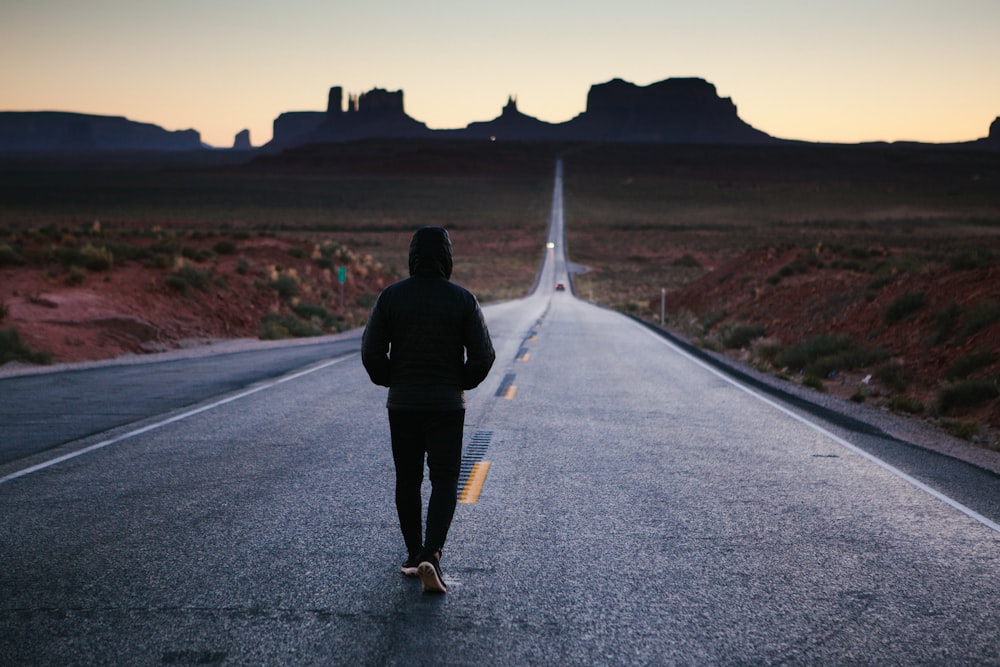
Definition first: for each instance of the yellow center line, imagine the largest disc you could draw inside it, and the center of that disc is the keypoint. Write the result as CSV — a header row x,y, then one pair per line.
x,y
511,391
470,493
525,356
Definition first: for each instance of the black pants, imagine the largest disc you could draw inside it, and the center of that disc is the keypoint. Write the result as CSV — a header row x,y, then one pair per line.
x,y
438,435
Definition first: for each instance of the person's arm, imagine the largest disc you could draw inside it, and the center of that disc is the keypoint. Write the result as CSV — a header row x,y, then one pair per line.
x,y
478,350
375,347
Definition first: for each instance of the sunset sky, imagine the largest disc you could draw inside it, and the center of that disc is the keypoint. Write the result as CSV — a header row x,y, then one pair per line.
x,y
849,71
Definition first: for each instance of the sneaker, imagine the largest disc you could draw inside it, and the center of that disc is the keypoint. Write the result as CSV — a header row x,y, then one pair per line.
x,y
410,567
429,570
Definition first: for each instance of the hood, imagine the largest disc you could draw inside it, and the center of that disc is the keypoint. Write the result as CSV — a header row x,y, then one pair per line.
x,y
430,252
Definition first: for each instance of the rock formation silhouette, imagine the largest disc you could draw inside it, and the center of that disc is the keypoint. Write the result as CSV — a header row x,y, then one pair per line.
x,y
33,131
674,110
242,141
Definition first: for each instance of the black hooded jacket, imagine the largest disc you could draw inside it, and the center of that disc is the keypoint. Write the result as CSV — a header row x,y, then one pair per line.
x,y
426,338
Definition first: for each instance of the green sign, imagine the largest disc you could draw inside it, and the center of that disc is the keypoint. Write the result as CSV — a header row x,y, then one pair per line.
x,y
342,274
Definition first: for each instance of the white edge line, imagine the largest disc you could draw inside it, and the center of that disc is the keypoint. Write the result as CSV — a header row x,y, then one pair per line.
x,y
170,420
968,511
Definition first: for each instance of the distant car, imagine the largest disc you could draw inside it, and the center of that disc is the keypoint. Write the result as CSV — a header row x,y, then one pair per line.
x,y
560,287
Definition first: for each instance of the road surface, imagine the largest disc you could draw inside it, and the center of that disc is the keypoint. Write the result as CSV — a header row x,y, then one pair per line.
x,y
638,507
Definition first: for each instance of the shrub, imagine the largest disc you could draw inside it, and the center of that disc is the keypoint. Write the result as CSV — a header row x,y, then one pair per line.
x,y
961,428
813,382
968,364
366,300
186,277
225,248
315,314
895,376
687,261
979,316
10,256
904,306
199,255
905,403
711,318
970,258
800,354
296,252
12,348
944,324
276,326
740,336
822,355
127,251
285,285
967,394
76,275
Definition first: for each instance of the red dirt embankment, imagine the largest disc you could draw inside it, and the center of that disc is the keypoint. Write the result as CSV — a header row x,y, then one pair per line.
x,y
260,286
928,331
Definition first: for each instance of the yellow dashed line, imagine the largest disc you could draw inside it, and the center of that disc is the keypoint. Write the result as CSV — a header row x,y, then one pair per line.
x,y
511,391
525,356
470,494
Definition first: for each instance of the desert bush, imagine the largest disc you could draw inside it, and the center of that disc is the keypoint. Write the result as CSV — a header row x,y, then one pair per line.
x,y
686,261
969,259
186,277
894,376
944,323
968,364
979,316
296,252
225,248
75,276
12,348
276,326
965,429
285,285
325,263
93,258
10,256
822,355
904,306
740,336
905,403
813,382
316,314
800,354
199,255
967,394
710,319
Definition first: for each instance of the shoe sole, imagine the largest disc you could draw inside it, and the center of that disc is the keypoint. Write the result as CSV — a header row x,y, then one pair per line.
x,y
429,578
410,571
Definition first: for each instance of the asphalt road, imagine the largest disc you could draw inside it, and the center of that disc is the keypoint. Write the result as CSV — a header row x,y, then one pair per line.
x,y
640,507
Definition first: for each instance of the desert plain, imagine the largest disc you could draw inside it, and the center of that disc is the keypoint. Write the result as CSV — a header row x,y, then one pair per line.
x,y
870,273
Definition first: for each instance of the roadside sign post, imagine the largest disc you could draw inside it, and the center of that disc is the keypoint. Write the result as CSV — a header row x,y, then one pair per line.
x,y
342,278
663,305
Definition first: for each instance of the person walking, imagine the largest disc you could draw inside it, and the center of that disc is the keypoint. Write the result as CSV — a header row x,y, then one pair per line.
x,y
426,340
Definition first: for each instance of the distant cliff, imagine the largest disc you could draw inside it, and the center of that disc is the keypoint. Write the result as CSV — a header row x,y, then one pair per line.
x,y
31,131
674,110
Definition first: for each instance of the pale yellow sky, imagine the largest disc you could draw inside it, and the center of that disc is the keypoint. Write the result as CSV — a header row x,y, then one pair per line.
x,y
850,71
